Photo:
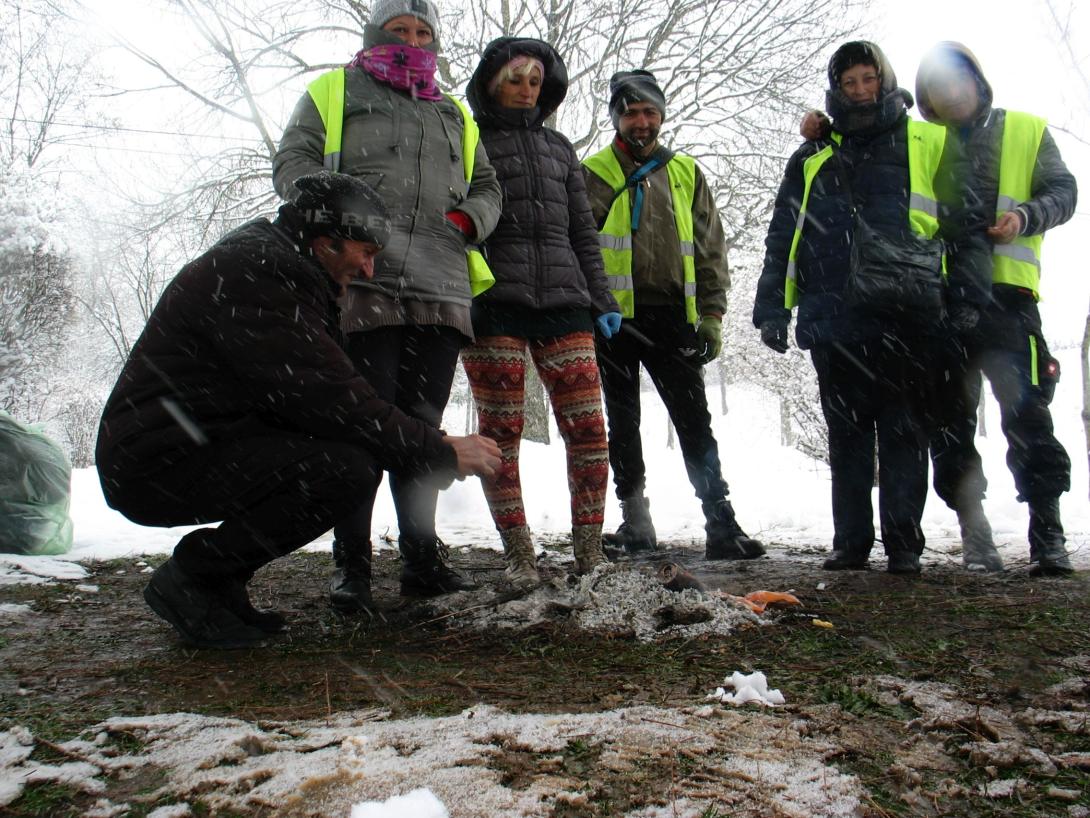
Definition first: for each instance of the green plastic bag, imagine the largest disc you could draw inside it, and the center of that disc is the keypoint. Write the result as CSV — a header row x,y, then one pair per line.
x,y
35,490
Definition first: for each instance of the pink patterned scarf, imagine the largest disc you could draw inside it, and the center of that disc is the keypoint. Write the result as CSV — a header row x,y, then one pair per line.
x,y
401,66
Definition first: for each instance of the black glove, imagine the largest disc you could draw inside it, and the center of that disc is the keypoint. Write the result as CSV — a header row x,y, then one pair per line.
x,y
774,335
963,318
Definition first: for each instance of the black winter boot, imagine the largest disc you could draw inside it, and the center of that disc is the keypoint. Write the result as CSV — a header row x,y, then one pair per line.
x,y
350,585
726,539
636,533
1047,555
199,608
903,562
238,601
847,559
425,570
978,551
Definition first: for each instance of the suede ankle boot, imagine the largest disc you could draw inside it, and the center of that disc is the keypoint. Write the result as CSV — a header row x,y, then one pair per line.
x,y
978,551
586,543
518,553
1047,554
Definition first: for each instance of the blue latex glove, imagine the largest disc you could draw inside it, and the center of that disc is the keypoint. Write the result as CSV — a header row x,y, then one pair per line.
x,y
609,324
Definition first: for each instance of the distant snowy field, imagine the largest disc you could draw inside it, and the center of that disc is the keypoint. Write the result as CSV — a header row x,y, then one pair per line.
x,y
780,495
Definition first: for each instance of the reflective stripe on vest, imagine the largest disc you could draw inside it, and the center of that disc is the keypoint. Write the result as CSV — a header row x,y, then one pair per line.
x,y
615,238
925,144
327,93
1018,263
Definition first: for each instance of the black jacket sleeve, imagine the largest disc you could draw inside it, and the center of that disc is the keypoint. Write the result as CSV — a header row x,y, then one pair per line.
x,y
583,234
768,304
963,224
284,357
1055,192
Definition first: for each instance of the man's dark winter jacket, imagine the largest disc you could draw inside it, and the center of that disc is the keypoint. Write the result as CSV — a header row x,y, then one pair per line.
x,y
876,167
1053,190
247,337
544,251
1012,312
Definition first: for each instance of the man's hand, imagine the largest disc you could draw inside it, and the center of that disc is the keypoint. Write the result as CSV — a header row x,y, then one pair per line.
x,y
477,455
963,318
774,335
815,125
709,334
1007,228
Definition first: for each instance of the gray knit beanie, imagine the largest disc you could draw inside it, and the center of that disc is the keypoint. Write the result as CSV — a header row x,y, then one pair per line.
x,y
383,11
626,87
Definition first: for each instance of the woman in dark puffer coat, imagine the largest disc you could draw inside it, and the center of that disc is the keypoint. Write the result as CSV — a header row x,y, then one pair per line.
x,y
549,294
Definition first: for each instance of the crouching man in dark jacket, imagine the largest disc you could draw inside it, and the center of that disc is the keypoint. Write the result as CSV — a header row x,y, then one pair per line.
x,y
238,404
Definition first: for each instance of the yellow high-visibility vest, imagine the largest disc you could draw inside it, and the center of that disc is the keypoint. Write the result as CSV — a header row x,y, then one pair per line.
x,y
1018,263
327,93
615,237
925,144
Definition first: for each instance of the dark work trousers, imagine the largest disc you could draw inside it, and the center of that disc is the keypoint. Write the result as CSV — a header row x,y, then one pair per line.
x,y
274,491
412,368
658,338
1038,461
876,391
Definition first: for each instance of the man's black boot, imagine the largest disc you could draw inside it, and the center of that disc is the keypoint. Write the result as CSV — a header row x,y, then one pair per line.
x,y
636,533
1047,555
847,559
199,609
350,585
238,601
425,570
904,562
725,538
978,551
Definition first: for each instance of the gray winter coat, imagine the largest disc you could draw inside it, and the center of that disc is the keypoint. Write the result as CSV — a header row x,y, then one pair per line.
x,y
410,151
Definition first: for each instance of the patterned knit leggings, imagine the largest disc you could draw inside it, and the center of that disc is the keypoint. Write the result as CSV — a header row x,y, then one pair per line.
x,y
496,367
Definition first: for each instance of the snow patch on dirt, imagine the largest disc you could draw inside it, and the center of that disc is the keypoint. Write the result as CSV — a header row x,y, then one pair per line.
x,y
705,756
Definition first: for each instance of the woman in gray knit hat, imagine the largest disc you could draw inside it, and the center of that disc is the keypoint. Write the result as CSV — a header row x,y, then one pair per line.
x,y
383,119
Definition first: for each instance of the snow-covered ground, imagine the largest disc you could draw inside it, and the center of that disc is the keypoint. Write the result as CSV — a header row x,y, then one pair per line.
x,y
780,495
441,765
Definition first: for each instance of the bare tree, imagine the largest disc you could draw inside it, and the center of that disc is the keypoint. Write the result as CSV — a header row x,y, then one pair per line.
x,y
1061,15
736,74
45,79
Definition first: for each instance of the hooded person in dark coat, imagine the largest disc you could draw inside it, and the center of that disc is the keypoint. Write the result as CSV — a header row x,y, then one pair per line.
x,y
549,295
875,372
1019,178
238,404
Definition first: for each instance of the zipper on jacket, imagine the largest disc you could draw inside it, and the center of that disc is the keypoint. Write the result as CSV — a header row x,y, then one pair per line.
x,y
535,198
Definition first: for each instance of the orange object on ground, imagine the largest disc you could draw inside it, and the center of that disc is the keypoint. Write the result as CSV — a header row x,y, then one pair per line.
x,y
757,601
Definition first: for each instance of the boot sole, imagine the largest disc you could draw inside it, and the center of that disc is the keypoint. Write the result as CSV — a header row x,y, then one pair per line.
x,y
351,607
158,603
427,592
733,557
1036,570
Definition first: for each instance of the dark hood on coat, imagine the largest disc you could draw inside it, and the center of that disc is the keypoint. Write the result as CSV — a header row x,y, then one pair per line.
x,y
941,60
871,117
554,85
